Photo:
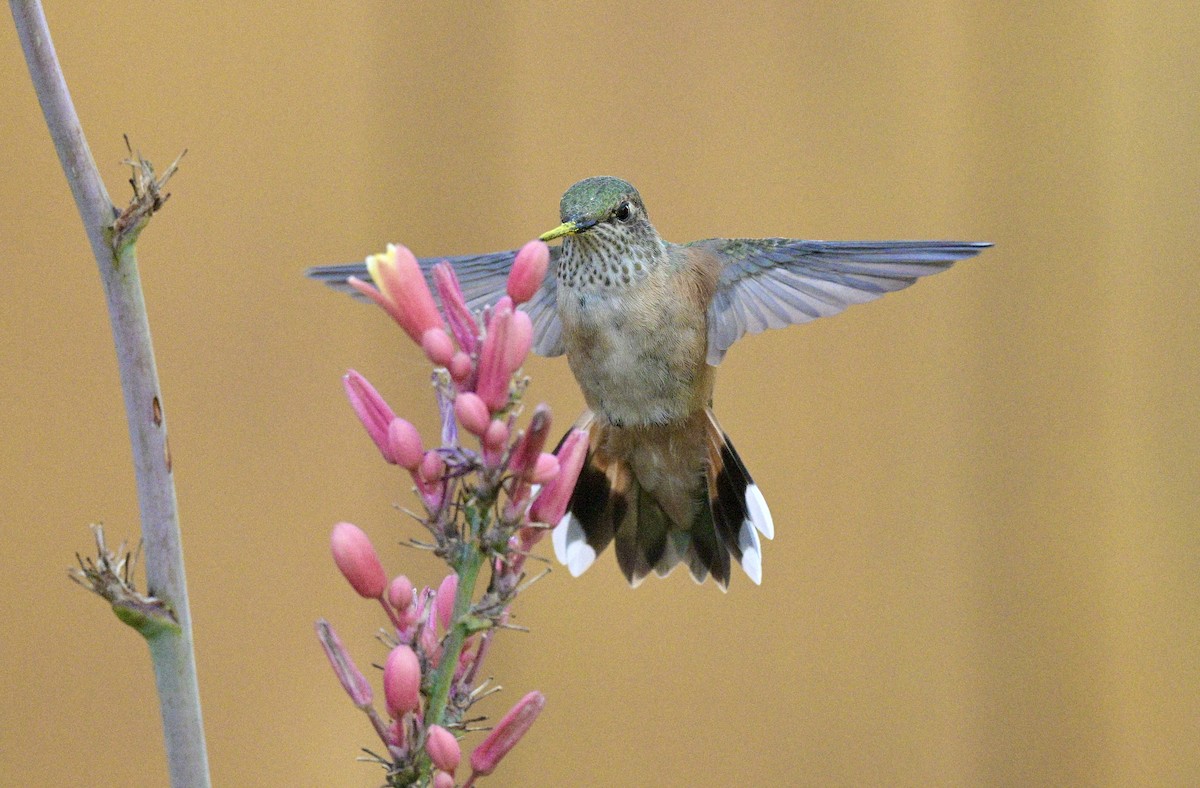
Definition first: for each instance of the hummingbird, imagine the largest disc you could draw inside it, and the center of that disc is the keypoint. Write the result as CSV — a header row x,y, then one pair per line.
x,y
644,323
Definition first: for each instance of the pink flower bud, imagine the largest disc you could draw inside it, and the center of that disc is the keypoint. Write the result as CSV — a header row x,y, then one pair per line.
x,y
527,464
507,733
357,560
494,441
438,346
525,456
443,780
443,748
402,681
546,469
528,271
433,467
520,339
400,592
402,291
493,375
404,444
444,601
372,411
458,314
552,501
472,413
460,367
352,679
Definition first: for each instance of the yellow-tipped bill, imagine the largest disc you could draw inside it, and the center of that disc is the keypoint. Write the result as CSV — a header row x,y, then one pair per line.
x,y
566,228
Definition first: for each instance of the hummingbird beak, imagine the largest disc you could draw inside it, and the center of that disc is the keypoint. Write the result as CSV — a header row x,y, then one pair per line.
x,y
567,228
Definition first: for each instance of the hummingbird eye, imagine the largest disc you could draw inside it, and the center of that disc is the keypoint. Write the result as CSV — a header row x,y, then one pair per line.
x,y
624,212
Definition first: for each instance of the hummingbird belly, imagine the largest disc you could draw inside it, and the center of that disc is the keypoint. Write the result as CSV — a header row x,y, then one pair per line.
x,y
638,360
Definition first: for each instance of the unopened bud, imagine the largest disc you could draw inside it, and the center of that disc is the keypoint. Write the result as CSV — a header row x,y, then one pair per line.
x,y
404,444
400,592
444,601
472,413
528,271
356,559
443,748
438,346
402,681
507,733
352,679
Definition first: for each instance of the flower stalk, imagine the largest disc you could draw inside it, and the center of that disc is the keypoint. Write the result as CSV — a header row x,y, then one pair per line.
x,y
481,501
468,572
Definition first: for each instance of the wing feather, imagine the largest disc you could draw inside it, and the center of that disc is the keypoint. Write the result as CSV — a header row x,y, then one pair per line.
x,y
773,282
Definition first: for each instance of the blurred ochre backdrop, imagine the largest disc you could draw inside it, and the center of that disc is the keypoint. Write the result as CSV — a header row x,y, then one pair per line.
x,y
985,488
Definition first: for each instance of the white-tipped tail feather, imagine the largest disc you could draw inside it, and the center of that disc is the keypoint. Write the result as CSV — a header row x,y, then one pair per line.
x,y
570,545
751,552
760,515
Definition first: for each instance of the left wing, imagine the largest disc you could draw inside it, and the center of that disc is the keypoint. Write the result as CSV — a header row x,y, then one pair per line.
x,y
483,278
775,282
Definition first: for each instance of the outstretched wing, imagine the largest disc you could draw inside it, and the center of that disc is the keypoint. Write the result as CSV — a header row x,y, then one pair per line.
x,y
775,282
483,278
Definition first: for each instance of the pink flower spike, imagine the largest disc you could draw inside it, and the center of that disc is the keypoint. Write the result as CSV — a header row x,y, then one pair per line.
x,y
443,780
462,322
443,748
438,346
353,681
402,681
404,444
398,276
528,271
552,501
507,733
356,558
400,592
472,413
371,409
520,339
492,382
444,601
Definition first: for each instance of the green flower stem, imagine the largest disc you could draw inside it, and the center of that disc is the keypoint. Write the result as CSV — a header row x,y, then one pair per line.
x,y
467,568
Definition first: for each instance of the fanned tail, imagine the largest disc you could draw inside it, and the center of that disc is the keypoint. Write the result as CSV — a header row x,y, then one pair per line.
x,y
662,500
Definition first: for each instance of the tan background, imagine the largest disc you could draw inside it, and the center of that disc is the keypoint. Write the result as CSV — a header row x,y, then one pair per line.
x,y
985,488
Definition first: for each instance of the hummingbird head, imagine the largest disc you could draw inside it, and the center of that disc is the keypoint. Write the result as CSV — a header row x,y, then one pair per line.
x,y
604,220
